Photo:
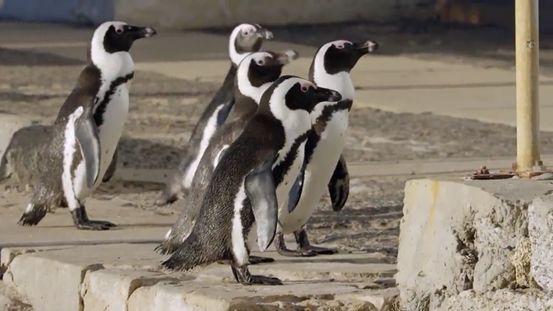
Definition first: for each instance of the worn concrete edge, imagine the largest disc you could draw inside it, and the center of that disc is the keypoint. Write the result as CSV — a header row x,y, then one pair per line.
x,y
379,298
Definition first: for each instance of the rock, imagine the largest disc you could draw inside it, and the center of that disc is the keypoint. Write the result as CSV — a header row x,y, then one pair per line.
x,y
540,227
464,235
10,123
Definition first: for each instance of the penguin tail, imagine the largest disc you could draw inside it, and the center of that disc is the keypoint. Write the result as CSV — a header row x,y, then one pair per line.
x,y
166,247
187,256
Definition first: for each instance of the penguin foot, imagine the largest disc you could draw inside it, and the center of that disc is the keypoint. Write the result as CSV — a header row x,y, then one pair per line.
x,y
317,250
243,276
33,217
303,244
95,225
295,253
263,280
254,260
81,221
281,248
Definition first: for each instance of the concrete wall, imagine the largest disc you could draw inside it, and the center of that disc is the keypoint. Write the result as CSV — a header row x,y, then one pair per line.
x,y
72,11
217,13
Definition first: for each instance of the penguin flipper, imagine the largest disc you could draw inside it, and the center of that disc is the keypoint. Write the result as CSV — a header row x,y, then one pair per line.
x,y
86,133
338,186
260,189
295,192
111,168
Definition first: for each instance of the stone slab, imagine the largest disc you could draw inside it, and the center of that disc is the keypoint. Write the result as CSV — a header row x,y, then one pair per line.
x,y
459,235
128,277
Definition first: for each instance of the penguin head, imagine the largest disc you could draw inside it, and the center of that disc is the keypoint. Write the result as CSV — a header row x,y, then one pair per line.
x,y
115,37
246,38
259,69
291,94
341,55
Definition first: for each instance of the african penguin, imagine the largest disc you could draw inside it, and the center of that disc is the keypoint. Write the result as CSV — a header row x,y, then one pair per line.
x,y
244,39
243,192
255,75
102,89
324,167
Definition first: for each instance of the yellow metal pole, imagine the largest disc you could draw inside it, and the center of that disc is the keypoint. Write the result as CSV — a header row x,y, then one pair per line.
x,y
527,80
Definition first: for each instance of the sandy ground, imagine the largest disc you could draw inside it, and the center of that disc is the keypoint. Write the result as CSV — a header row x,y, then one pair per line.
x,y
164,111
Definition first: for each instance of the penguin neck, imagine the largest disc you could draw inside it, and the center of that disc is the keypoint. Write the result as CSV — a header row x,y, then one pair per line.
x,y
340,81
295,123
235,56
111,65
246,103
247,96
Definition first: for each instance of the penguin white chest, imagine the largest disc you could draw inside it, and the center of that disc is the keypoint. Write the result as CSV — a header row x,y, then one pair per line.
x,y
318,172
111,129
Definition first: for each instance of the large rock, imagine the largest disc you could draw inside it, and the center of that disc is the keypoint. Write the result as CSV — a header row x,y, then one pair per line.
x,y
465,235
10,123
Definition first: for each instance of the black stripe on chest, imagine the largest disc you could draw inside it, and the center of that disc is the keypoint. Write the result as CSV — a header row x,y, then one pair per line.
x,y
101,108
284,166
314,135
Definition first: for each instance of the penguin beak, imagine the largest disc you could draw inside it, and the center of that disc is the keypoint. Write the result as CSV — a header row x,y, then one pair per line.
x,y
264,34
141,32
286,57
366,47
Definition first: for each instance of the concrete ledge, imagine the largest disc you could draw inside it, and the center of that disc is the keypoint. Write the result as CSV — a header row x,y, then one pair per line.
x,y
128,277
461,235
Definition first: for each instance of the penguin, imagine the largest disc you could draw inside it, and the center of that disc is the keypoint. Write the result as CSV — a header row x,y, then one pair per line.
x,y
102,89
243,193
244,39
324,167
255,74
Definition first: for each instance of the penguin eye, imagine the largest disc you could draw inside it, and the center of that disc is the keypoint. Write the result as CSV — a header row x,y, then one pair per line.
x,y
304,88
246,32
340,46
261,62
119,30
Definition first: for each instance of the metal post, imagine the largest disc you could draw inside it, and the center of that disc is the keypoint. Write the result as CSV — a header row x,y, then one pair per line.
x,y
527,84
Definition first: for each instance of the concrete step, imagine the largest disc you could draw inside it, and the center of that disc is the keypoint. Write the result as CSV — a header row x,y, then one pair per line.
x,y
128,277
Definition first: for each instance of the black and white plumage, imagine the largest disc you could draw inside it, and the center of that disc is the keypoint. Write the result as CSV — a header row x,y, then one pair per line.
x,y
244,39
100,97
324,167
243,193
255,75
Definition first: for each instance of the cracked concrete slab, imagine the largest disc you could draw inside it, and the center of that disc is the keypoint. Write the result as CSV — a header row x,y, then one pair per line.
x,y
128,277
